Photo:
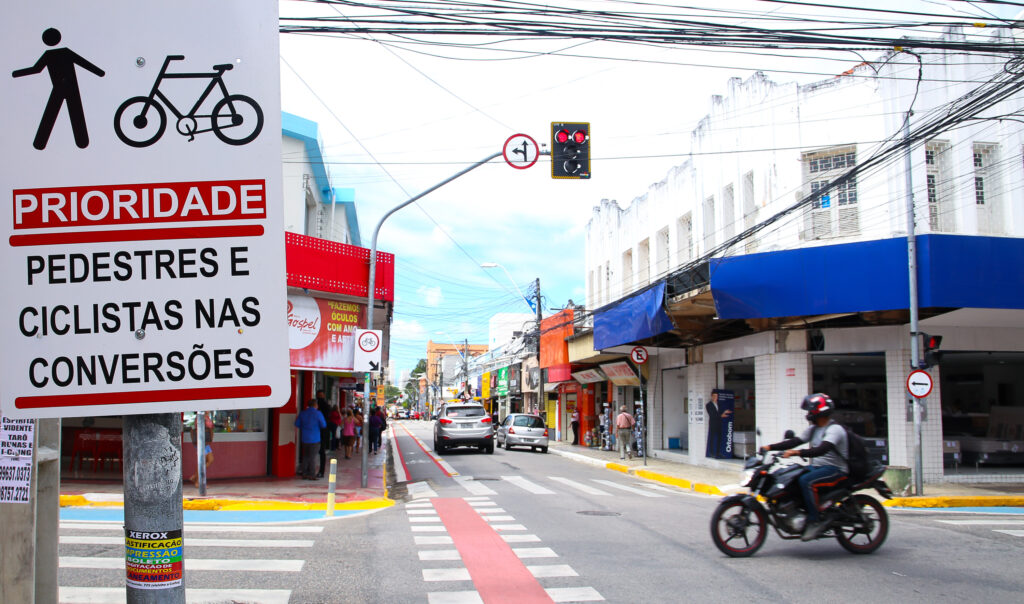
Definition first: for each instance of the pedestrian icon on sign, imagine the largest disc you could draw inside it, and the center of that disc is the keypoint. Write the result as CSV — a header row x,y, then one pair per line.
x,y
60,63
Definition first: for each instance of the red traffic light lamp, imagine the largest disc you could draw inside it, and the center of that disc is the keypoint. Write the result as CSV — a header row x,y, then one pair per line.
x,y
570,150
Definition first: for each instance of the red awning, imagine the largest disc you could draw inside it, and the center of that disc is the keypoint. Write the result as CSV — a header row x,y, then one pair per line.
x,y
327,266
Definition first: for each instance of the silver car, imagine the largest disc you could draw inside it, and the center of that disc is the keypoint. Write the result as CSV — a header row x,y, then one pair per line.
x,y
523,430
463,425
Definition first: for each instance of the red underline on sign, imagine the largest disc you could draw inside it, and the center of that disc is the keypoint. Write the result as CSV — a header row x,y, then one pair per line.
x,y
245,230
148,396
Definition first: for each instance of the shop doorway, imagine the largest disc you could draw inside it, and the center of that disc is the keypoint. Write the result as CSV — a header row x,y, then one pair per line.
x,y
982,411
675,409
856,383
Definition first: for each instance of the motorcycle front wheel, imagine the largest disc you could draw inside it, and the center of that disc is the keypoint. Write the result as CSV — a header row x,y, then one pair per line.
x,y
738,531
867,533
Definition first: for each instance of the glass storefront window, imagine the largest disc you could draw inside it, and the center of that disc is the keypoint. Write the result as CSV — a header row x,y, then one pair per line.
x,y
234,420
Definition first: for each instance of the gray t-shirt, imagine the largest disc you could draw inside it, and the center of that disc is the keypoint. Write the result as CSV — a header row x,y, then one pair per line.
x,y
835,434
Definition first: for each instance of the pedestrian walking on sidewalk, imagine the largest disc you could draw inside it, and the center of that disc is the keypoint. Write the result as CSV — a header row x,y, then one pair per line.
x,y
334,422
376,427
624,423
325,432
310,422
576,426
348,432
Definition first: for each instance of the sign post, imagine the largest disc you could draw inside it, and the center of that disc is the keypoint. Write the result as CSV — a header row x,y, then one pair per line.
x,y
142,255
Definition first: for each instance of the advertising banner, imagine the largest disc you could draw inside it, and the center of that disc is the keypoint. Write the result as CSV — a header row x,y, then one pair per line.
x,y
588,376
621,374
16,447
502,388
720,419
321,332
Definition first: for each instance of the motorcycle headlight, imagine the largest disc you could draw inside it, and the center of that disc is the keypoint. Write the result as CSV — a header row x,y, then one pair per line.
x,y
746,476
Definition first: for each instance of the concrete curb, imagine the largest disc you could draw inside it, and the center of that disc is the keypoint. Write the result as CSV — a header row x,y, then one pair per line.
x,y
965,501
699,487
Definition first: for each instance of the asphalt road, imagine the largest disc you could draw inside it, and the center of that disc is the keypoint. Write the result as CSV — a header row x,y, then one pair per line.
x,y
521,526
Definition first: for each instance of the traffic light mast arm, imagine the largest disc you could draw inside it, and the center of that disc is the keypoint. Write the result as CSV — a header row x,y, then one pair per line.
x,y
371,284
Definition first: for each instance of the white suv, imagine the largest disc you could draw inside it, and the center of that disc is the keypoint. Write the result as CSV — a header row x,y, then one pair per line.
x,y
463,425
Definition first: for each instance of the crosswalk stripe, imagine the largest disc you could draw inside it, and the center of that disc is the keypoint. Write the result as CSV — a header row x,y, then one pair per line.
x,y
422,512
288,566
419,504
474,486
534,552
432,540
574,594
508,527
454,597
116,595
521,538
579,486
543,571
498,518
486,511
662,488
102,540
198,527
429,528
623,487
446,574
528,486
1012,533
434,518
439,554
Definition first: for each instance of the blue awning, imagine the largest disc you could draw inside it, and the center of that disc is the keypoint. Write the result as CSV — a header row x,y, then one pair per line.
x,y
636,318
953,271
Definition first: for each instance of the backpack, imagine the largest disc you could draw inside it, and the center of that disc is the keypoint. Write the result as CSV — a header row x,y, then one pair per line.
x,y
860,462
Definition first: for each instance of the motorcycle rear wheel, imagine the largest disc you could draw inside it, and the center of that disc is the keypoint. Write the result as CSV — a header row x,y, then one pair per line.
x,y
871,530
738,531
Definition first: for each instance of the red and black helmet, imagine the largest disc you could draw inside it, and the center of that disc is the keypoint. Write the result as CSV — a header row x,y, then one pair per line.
x,y
817,405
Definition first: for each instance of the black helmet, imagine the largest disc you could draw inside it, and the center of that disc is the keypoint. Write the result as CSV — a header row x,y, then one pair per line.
x,y
817,405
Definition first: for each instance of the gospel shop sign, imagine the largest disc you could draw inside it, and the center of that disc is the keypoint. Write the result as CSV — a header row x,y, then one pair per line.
x,y
143,257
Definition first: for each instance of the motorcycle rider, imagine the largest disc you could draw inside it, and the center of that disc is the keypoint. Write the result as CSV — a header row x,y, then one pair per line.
x,y
828,452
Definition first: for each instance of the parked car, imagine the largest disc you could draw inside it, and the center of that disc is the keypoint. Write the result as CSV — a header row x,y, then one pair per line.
x,y
523,430
463,425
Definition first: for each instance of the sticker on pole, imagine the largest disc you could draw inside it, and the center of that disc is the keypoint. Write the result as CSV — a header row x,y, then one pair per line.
x,y
639,355
919,384
368,350
141,246
520,151
153,560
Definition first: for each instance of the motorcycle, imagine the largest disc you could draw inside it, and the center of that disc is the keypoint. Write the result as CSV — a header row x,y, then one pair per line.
x,y
739,525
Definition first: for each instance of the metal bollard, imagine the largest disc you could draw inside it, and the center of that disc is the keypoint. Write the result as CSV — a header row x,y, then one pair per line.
x,y
330,487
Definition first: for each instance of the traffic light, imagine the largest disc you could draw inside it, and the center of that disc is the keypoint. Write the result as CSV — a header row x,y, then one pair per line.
x,y
570,150
931,355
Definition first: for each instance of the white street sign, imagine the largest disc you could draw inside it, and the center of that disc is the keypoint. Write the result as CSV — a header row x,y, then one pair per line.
x,y
639,355
520,151
368,350
143,250
919,384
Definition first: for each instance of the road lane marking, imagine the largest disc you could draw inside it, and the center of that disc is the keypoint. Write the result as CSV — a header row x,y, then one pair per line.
x,y
508,527
623,487
453,597
420,490
528,486
574,594
401,470
429,555
494,567
983,522
198,527
421,512
534,552
113,595
430,528
486,511
551,570
286,566
424,519
432,540
1009,532
579,486
474,486
521,538
444,465
446,574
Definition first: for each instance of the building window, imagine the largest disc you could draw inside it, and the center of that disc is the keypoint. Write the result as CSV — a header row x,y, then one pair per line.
x,y
728,212
749,210
627,271
643,263
709,223
684,239
939,186
661,260
987,189
833,213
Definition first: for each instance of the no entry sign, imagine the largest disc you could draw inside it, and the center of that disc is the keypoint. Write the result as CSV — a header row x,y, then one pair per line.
x,y
142,257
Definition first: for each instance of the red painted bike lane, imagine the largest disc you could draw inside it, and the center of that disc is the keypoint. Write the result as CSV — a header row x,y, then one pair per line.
x,y
498,574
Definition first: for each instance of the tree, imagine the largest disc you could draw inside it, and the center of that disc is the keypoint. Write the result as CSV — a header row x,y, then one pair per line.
x,y
412,385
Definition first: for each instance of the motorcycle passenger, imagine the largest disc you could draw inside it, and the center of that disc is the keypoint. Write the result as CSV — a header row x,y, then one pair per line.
x,y
828,452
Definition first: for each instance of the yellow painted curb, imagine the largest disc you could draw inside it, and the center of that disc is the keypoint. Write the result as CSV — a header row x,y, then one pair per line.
x,y
618,467
80,500
710,489
672,480
957,502
241,505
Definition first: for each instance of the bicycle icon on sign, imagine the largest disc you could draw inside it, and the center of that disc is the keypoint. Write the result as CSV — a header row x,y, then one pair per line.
x,y
236,119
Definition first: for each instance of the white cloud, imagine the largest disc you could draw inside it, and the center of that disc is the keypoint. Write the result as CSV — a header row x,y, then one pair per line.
x,y
430,296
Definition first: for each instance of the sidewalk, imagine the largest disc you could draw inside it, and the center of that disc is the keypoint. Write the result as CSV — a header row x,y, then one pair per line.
x,y
269,493
672,468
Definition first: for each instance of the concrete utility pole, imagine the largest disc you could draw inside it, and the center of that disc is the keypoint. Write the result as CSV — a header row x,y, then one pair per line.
x,y
372,283
912,274
153,517
541,402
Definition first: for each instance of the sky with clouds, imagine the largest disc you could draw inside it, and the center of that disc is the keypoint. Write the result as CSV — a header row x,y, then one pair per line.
x,y
396,119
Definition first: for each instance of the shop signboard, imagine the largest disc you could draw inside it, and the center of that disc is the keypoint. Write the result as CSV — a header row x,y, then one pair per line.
x,y
589,376
502,385
142,248
485,385
321,332
720,409
621,374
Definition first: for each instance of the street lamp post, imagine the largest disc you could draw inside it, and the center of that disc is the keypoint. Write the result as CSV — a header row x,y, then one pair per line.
x,y
521,294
